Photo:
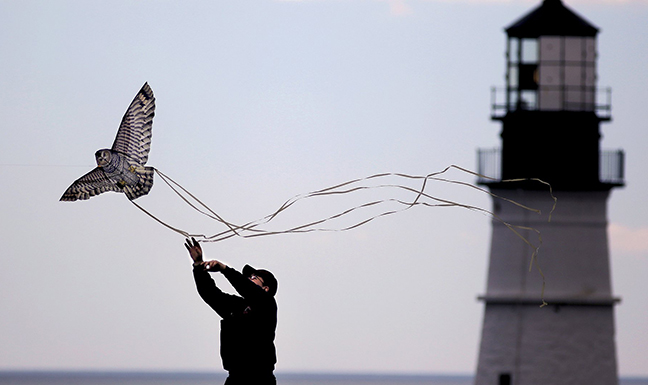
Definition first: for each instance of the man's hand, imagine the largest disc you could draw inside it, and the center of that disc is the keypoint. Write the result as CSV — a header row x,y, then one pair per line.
x,y
195,252
214,265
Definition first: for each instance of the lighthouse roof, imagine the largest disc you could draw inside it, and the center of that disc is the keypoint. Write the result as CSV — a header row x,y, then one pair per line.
x,y
551,18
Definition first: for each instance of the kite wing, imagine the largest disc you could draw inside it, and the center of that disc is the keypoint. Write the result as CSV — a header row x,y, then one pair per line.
x,y
93,183
134,134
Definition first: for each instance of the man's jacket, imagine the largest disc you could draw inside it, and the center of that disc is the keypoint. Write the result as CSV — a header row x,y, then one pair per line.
x,y
248,322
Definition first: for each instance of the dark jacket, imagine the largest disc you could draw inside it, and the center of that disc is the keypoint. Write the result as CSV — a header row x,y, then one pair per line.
x,y
248,322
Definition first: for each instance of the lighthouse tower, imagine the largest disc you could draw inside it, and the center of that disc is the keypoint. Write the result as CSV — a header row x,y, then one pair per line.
x,y
550,112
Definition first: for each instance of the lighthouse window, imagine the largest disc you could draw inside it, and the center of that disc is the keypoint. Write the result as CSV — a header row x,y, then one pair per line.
x,y
590,76
590,49
514,50
550,75
529,52
550,48
574,49
567,73
573,75
513,76
528,100
513,99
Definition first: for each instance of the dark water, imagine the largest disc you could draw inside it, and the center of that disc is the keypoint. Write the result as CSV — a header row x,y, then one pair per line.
x,y
153,378
148,378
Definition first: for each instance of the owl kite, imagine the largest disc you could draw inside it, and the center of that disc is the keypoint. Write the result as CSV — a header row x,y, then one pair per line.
x,y
121,168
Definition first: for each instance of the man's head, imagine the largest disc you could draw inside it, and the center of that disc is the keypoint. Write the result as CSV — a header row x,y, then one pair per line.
x,y
261,277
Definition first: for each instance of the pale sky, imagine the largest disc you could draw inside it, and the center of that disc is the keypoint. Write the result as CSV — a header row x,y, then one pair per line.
x,y
258,101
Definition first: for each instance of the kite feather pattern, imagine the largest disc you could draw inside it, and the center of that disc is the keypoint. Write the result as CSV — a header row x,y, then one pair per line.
x,y
121,168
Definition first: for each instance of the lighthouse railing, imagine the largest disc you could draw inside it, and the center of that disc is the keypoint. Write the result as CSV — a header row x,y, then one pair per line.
x,y
568,98
489,166
611,166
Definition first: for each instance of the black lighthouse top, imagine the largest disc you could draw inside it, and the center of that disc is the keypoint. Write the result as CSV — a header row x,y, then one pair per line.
x,y
551,18
551,107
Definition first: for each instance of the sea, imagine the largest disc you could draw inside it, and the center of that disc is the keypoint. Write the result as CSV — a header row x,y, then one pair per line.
x,y
159,378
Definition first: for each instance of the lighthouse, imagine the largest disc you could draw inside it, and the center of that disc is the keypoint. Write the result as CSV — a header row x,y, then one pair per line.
x,y
550,110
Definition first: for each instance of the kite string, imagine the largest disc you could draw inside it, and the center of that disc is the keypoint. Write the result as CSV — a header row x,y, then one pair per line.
x,y
251,229
251,226
213,215
181,232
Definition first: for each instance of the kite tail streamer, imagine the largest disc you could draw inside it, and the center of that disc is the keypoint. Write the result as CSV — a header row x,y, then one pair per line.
x,y
253,229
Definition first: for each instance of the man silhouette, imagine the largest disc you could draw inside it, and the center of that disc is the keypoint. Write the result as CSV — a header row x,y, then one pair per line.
x,y
249,320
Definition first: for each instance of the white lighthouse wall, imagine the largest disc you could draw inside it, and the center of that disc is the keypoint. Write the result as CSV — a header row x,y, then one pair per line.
x,y
570,341
573,255
557,345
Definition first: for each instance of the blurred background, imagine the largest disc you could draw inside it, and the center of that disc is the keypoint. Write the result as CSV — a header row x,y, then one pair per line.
x,y
258,101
